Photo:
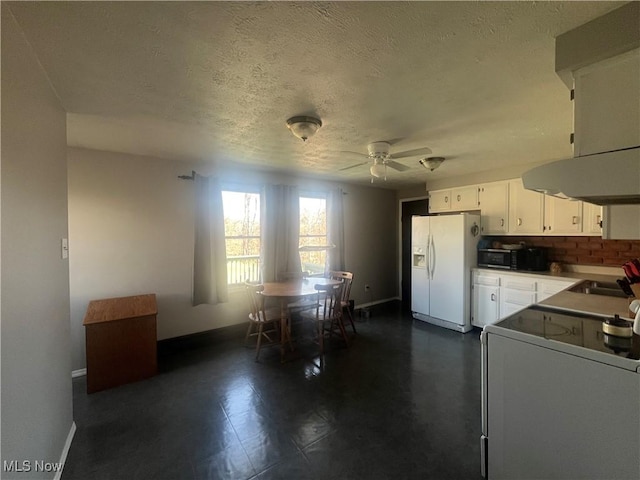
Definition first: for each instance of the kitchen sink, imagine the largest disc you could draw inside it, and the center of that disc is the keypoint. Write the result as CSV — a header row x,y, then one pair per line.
x,y
591,287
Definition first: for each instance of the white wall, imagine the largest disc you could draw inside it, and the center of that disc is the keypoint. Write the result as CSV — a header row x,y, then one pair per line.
x,y
36,361
131,232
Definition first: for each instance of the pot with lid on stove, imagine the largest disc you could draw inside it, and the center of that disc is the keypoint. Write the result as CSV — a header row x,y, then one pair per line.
x,y
617,327
618,334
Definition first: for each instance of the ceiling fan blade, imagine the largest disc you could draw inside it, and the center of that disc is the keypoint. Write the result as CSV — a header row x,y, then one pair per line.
x,y
412,153
397,166
353,166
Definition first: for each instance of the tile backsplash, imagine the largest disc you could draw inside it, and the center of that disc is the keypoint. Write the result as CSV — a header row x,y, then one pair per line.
x,y
581,250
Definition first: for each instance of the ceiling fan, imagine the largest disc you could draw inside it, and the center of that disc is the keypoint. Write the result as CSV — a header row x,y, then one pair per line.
x,y
379,153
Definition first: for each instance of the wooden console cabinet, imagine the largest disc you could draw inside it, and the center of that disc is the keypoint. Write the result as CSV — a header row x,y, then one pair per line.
x,y
121,341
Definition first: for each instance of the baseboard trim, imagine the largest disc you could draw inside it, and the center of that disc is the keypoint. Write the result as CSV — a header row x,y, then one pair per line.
x,y
79,373
377,302
65,450
205,339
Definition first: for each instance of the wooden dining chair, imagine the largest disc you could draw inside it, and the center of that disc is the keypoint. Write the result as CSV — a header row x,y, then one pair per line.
x,y
347,279
327,315
264,323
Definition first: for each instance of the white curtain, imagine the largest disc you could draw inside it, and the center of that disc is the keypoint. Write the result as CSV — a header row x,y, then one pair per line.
x,y
280,224
335,229
210,262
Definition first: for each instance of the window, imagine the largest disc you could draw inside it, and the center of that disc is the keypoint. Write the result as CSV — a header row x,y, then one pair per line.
x,y
242,235
313,234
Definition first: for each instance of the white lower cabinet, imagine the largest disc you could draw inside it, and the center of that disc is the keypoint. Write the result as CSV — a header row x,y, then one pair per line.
x,y
485,302
547,288
513,300
496,295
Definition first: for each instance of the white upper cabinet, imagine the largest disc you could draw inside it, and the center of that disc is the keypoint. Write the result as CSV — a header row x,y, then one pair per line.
x,y
493,203
507,208
439,201
464,198
562,216
526,209
592,223
606,108
454,199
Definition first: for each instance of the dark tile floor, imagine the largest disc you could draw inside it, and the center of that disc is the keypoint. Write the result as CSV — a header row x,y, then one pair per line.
x,y
403,402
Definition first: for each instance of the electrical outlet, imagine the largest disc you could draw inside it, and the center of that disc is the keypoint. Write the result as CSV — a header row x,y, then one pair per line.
x,y
367,288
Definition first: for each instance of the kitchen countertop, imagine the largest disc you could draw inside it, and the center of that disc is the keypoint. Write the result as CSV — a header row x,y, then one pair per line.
x,y
601,305
560,276
578,302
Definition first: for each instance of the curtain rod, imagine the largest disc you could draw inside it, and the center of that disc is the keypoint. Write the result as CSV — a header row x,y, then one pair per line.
x,y
239,185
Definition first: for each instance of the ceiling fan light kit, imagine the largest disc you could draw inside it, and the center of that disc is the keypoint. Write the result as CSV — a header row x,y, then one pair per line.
x,y
304,127
380,153
431,163
378,170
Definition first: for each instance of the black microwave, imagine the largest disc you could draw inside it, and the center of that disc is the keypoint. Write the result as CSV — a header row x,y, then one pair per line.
x,y
502,258
532,258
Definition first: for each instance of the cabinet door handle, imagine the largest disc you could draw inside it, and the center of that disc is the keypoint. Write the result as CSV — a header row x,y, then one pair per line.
x,y
493,297
598,221
502,222
458,197
574,220
519,222
446,199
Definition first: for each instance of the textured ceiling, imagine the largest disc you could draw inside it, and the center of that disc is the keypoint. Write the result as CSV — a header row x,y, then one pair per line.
x,y
216,81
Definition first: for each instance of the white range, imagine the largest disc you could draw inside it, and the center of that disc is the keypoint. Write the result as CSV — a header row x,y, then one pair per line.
x,y
560,398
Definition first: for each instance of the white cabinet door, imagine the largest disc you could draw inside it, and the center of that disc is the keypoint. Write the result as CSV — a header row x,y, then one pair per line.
x,y
592,214
621,222
485,308
606,110
516,293
526,209
547,288
494,208
561,216
464,198
439,201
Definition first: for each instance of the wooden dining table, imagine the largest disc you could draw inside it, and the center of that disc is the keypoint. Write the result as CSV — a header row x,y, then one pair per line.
x,y
288,291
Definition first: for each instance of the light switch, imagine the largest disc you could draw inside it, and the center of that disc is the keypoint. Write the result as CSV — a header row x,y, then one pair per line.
x,y
65,248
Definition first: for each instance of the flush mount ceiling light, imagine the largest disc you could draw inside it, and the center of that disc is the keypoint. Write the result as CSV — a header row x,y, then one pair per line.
x,y
304,127
431,163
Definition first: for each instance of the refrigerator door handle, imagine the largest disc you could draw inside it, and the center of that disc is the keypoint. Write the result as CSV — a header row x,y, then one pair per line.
x,y
432,257
483,455
428,256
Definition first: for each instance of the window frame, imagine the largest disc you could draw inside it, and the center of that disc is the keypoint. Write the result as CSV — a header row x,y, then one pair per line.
x,y
243,189
316,248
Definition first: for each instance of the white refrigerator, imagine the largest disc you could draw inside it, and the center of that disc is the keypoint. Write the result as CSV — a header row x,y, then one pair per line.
x,y
443,252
